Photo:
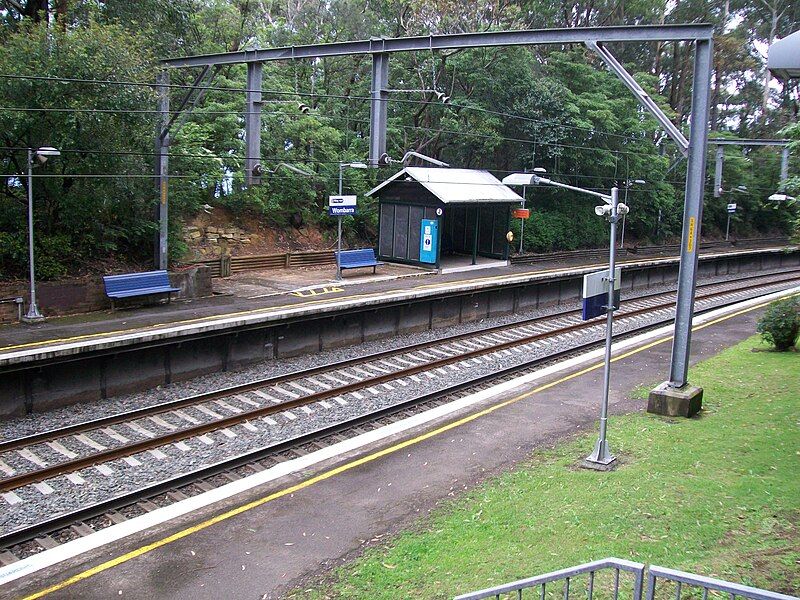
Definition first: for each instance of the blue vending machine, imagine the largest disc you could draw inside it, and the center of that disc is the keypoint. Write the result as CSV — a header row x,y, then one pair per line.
x,y
429,241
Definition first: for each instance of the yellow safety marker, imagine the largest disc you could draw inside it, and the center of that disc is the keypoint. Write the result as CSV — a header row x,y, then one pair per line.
x,y
271,309
317,291
356,463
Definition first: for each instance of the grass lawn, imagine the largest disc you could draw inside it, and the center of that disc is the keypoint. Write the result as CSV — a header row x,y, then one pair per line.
x,y
718,495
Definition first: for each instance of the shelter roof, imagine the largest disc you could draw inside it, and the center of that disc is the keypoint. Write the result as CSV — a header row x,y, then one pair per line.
x,y
784,57
455,186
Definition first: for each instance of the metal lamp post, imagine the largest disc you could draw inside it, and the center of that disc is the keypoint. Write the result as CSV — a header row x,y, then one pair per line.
x,y
739,190
522,221
613,210
33,315
342,166
628,184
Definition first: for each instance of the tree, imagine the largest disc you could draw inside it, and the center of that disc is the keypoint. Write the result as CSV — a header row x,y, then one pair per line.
x,y
77,215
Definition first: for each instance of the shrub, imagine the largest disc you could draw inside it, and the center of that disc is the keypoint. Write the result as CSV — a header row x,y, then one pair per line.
x,y
780,325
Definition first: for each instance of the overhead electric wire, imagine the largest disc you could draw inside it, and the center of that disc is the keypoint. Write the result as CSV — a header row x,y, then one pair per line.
x,y
310,95
88,175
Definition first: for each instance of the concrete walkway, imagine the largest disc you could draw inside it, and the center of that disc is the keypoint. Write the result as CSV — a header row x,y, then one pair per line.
x,y
291,541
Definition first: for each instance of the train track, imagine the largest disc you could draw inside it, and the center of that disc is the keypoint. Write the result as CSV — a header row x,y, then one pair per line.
x,y
288,396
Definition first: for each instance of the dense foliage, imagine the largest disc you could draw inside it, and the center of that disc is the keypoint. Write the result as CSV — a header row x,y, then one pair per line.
x,y
780,324
512,109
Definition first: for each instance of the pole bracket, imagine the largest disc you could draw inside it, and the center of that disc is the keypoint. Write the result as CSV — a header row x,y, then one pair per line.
x,y
642,96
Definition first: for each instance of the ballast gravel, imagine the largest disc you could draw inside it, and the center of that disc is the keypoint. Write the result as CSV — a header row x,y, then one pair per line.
x,y
79,413
30,504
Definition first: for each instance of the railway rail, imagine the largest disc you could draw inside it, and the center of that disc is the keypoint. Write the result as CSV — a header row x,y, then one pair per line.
x,y
289,396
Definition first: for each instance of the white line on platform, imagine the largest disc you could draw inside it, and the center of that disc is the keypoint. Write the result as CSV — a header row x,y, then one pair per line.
x,y
48,558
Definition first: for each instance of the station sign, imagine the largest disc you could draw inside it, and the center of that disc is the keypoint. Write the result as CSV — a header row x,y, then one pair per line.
x,y
342,205
521,213
595,293
731,208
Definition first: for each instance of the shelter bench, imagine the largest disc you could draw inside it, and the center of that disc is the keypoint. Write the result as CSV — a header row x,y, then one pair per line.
x,y
354,259
130,285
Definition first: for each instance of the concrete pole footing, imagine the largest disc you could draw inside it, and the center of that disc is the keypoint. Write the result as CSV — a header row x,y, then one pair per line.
x,y
685,401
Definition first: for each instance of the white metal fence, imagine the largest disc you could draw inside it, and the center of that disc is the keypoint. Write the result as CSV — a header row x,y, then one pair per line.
x,y
582,581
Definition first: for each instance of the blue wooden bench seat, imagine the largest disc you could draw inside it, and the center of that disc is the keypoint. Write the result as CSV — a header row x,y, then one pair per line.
x,y
354,259
138,284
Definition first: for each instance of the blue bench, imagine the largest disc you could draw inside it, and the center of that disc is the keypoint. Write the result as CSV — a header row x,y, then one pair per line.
x,y
130,285
354,259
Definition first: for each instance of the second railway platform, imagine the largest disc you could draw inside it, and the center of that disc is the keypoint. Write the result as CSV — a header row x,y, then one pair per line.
x,y
135,349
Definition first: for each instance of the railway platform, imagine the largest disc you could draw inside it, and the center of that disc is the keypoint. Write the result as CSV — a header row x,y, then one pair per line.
x,y
253,297
130,350
283,534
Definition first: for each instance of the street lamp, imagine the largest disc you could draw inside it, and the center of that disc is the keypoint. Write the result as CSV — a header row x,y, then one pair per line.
x,y
628,184
612,210
779,197
42,154
342,167
386,160
524,177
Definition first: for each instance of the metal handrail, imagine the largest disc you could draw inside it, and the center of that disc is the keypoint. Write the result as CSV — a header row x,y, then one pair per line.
x,y
707,583
591,568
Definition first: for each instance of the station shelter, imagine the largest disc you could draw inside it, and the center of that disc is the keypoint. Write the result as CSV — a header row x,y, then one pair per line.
x,y
448,219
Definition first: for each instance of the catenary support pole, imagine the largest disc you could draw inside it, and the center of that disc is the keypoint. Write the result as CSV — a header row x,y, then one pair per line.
x,y
692,213
475,235
162,171
252,122
720,157
784,168
379,96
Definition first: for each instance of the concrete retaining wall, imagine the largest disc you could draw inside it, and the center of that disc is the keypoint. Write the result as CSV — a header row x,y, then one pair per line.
x,y
40,387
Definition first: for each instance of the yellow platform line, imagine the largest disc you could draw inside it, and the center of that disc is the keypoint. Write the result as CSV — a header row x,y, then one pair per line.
x,y
353,464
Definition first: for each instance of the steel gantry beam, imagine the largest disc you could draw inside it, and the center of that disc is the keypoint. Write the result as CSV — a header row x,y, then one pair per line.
x,y
380,48
378,110
595,37
162,170
252,124
531,37
642,96
720,158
